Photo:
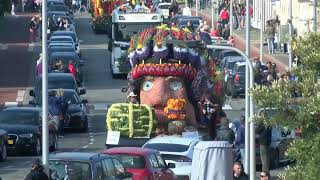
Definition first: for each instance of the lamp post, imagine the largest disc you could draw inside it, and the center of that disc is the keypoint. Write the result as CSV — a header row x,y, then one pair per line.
x,y
45,128
290,33
315,4
197,1
262,28
231,17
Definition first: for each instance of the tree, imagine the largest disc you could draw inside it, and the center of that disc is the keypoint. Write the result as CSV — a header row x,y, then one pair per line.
x,y
297,104
4,6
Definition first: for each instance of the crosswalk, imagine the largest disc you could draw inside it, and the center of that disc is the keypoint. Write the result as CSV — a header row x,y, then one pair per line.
x,y
30,46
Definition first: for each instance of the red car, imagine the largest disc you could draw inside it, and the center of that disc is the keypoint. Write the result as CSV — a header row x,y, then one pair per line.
x,y
143,163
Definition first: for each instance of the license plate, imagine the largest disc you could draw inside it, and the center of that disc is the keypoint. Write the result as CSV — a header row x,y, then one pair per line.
x,y
10,141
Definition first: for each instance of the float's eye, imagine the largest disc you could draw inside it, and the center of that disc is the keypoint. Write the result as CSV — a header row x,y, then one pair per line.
x,y
175,85
147,85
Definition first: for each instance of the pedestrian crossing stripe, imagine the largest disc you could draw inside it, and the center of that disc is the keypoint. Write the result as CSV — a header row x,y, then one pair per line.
x,y
226,107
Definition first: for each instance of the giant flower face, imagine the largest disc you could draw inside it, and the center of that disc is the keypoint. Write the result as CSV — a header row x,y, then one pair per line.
x,y
155,92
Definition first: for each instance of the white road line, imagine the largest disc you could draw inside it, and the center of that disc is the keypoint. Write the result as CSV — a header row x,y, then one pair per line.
x,y
91,143
100,106
20,95
10,104
31,47
91,136
86,146
3,46
91,139
226,107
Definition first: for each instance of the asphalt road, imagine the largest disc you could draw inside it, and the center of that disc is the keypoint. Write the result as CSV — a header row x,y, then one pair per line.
x,y
102,91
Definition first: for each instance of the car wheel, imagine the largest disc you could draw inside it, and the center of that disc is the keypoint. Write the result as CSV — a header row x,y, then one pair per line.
x,y
37,148
275,160
54,146
3,155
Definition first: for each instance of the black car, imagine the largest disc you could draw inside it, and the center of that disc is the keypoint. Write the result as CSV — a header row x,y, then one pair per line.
x,y
68,33
24,128
55,81
61,49
65,57
84,166
3,145
182,22
226,53
236,80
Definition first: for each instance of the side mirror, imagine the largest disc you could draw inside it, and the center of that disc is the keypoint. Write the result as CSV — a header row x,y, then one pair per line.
x,y
31,93
82,91
84,101
171,165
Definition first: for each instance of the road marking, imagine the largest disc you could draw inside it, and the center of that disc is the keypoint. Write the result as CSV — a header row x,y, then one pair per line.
x,y
86,146
20,95
91,143
226,107
91,136
100,106
30,47
10,104
91,139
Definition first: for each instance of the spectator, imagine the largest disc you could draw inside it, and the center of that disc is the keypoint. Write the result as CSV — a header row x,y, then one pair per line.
x,y
33,29
214,32
264,175
264,141
240,138
206,27
205,36
55,108
190,26
224,133
238,174
226,32
219,28
39,27
224,16
72,68
270,34
37,172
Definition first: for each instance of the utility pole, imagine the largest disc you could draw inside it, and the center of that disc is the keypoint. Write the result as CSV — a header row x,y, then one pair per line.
x,y
262,5
231,17
290,34
45,128
197,1
315,24
247,98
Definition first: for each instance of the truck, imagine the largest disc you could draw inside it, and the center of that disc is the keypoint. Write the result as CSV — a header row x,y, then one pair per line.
x,y
127,22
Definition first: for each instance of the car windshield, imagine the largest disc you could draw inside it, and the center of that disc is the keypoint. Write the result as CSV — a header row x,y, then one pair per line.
x,y
164,6
231,64
57,8
61,39
19,117
65,60
167,147
59,169
131,161
73,35
124,31
194,22
241,68
69,96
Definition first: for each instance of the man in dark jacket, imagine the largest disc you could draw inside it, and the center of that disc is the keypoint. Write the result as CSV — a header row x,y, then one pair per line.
x,y
240,138
37,172
224,133
264,141
238,174
226,32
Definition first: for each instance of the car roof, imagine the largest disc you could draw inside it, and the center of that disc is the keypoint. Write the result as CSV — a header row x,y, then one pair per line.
x,y
22,109
55,33
172,140
75,156
129,150
60,36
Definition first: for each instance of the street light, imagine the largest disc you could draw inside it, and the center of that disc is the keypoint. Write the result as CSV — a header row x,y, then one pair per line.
x,y
290,33
231,17
248,103
45,128
262,5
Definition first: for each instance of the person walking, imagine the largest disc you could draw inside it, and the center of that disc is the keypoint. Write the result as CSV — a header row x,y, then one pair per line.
x,y
270,34
264,141
55,109
240,138
37,172
226,32
238,173
264,175
224,16
224,133
33,29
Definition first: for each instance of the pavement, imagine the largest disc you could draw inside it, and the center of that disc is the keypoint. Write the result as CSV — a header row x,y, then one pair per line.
x,y
102,90
280,59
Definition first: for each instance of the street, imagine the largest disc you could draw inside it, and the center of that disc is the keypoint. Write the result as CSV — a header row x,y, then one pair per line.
x,y
102,90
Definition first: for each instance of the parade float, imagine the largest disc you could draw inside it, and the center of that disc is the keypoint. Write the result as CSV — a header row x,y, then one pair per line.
x,y
101,14
173,86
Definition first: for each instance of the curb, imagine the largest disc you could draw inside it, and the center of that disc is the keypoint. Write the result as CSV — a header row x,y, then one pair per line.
x,y
240,44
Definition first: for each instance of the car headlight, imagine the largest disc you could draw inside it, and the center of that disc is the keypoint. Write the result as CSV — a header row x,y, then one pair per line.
x,y
29,135
76,114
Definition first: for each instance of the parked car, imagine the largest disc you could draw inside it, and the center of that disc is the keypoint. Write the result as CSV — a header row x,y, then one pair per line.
x,y
143,163
55,81
3,144
60,8
177,150
164,9
226,53
236,80
71,34
23,125
54,49
183,21
85,166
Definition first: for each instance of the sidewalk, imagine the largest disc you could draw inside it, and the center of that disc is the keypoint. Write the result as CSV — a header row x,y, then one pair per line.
x,y
282,60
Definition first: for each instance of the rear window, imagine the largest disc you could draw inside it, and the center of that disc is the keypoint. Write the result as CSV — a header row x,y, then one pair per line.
x,y
164,6
167,147
131,161
230,65
75,170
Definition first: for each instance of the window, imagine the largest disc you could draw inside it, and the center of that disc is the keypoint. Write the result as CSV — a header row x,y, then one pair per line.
x,y
161,162
74,170
153,161
118,167
100,172
131,161
110,167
